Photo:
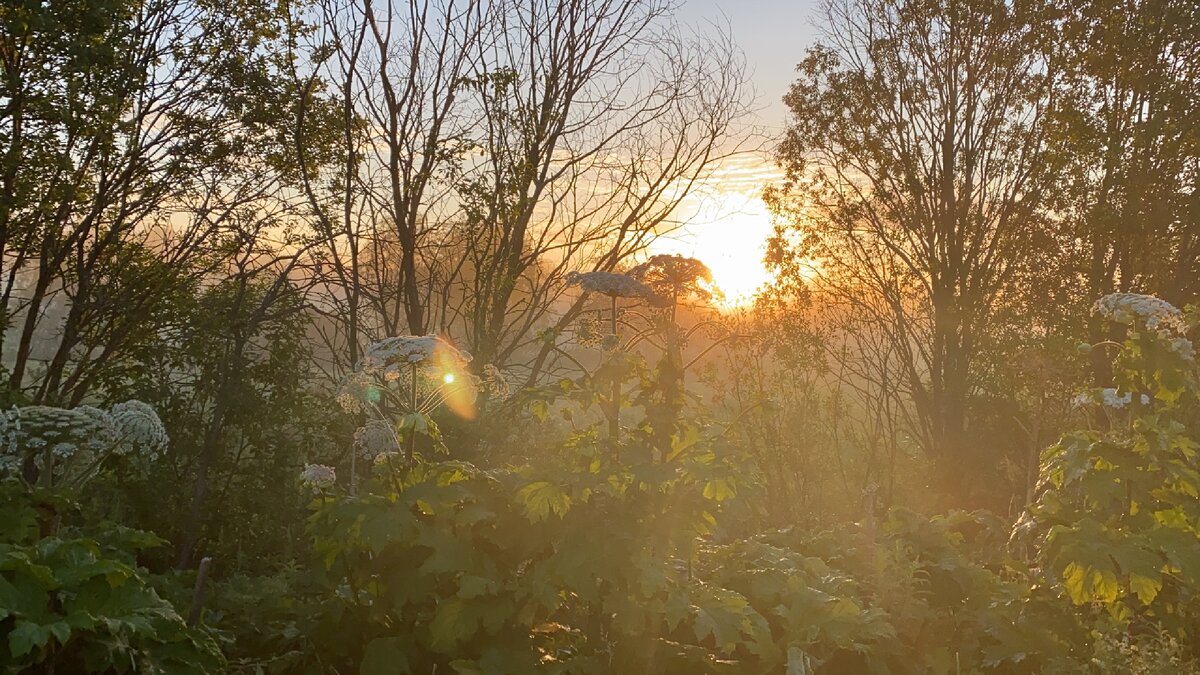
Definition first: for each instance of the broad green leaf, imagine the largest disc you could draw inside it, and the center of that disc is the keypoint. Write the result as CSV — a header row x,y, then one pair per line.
x,y
385,656
27,636
1074,577
471,586
542,498
719,490
1146,588
798,663
451,625
1104,586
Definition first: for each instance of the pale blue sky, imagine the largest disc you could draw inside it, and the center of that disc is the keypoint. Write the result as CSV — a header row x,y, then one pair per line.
x,y
772,33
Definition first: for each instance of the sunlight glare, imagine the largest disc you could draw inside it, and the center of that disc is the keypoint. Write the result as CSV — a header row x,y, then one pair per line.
x,y
729,234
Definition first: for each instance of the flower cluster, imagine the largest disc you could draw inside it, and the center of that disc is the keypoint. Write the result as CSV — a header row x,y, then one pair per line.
x,y
394,361
318,477
138,426
675,275
495,382
410,349
1156,314
374,438
612,284
356,391
87,432
589,331
1109,398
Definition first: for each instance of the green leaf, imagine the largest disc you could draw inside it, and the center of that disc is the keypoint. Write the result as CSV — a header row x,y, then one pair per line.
x,y
542,498
1104,586
1073,580
798,663
471,586
1145,587
385,656
719,490
722,618
28,636
451,625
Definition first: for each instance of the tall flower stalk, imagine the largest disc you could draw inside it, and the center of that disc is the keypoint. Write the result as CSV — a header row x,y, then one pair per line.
x,y
615,286
673,278
614,419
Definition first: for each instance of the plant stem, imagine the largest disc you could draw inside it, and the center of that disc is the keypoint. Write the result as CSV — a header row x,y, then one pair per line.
x,y
614,419
412,435
198,592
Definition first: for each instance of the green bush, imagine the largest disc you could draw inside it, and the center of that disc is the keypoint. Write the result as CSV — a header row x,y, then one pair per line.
x,y
76,601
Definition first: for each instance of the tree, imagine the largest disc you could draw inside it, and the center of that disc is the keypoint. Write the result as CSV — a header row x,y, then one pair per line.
x,y
597,121
136,139
918,167
492,148
1131,95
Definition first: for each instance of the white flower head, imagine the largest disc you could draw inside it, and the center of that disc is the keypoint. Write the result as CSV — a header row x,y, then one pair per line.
x,y
611,284
1131,309
497,385
355,391
1108,398
9,463
65,431
1184,348
430,364
407,350
318,477
138,425
374,438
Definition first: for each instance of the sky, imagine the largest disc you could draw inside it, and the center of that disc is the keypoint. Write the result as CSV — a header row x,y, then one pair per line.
x,y
773,34
728,223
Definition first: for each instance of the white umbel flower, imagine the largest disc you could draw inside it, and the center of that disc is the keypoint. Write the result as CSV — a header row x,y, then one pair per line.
x,y
1156,314
1109,398
79,437
139,426
318,477
374,438
611,284
496,383
411,349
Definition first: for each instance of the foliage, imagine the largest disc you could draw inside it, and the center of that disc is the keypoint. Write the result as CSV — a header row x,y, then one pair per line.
x,y
927,595
1115,523
580,565
76,601
227,352
234,211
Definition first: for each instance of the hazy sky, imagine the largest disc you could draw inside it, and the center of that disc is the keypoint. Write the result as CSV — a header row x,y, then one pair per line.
x,y
728,224
772,33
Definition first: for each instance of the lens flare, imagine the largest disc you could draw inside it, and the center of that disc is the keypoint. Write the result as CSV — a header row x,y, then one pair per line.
x,y
457,387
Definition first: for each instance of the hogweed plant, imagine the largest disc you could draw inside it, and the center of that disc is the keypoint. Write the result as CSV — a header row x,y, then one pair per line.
x,y
67,447
405,378
675,279
1115,518
615,286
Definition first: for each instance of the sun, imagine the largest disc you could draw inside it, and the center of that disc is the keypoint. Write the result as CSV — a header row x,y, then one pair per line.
x,y
729,233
